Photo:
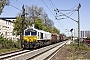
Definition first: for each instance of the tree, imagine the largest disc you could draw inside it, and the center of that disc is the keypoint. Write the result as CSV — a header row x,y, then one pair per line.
x,y
2,4
49,23
38,24
33,13
55,30
18,25
38,18
46,21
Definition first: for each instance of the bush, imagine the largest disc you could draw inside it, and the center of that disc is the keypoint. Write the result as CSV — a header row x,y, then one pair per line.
x,y
18,44
87,38
6,44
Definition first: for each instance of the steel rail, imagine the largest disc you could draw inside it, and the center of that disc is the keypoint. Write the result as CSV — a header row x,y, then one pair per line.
x,y
45,55
34,54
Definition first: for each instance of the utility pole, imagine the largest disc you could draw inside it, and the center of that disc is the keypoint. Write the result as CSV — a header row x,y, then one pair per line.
x,y
79,25
58,11
45,19
23,20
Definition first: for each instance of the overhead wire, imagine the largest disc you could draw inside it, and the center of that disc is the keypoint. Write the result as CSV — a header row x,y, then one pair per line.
x,y
67,16
50,1
16,7
51,5
72,9
48,8
72,13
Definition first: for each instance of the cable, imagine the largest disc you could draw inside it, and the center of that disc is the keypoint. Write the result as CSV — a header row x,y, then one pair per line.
x,y
72,13
55,19
52,4
67,16
69,12
16,7
73,7
66,13
48,8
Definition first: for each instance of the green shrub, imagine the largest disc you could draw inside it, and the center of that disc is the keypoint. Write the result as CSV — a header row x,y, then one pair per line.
x,y
6,43
87,38
18,44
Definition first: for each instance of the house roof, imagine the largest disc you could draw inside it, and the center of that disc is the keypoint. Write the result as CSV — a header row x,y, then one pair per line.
x,y
8,18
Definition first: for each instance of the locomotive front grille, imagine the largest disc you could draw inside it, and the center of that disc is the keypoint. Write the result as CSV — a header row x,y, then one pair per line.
x,y
30,38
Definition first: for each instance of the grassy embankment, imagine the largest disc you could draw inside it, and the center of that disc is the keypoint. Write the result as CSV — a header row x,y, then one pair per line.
x,y
73,52
78,52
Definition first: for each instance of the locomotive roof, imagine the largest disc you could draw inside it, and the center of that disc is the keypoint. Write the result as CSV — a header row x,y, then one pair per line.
x,y
31,29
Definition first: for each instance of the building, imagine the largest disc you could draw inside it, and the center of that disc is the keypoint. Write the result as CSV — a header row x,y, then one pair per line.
x,y
6,29
84,34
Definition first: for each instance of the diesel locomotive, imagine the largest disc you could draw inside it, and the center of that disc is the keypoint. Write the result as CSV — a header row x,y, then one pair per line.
x,y
34,38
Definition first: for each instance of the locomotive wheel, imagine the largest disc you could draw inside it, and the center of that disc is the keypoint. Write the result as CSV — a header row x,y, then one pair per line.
x,y
40,43
36,45
31,46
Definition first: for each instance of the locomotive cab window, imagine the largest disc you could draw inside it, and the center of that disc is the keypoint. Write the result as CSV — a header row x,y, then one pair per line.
x,y
41,36
27,32
34,33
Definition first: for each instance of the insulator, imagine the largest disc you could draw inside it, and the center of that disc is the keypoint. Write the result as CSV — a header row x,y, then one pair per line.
x,y
54,10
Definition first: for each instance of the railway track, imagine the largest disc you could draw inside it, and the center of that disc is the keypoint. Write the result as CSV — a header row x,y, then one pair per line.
x,y
10,52
38,54
7,55
47,55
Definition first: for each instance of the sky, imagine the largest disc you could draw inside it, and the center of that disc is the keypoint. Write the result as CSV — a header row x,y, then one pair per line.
x,y
63,25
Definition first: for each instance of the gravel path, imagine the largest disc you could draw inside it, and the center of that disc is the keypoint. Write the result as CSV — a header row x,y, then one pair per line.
x,y
61,55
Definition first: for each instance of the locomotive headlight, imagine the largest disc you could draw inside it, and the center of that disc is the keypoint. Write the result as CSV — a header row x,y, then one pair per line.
x,y
35,38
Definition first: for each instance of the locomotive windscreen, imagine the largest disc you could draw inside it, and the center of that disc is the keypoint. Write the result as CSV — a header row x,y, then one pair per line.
x,y
27,32
34,33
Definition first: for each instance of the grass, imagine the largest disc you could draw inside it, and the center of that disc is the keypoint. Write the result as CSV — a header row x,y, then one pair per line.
x,y
7,50
78,52
73,52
